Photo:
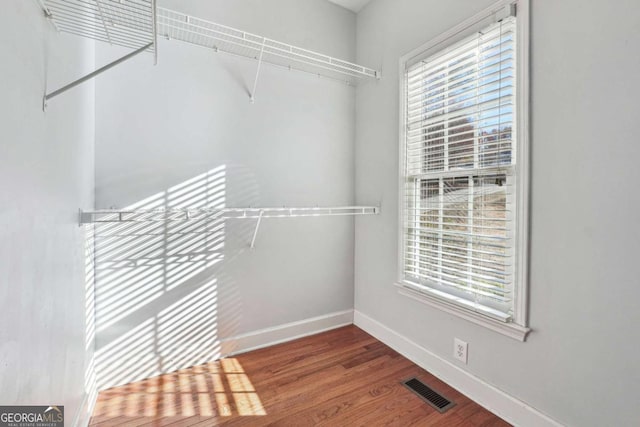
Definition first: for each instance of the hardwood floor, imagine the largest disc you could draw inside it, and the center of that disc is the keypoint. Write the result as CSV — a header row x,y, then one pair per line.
x,y
343,377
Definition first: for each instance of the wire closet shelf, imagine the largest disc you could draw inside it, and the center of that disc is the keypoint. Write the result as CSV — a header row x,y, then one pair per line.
x,y
179,26
136,24
115,215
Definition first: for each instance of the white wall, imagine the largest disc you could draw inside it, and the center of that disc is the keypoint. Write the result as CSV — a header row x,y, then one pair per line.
x,y
183,133
579,365
46,174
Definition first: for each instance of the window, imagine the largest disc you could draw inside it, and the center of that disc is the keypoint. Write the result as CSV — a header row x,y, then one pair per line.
x,y
463,187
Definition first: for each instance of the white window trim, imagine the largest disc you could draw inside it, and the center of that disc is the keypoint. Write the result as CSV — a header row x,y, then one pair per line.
x,y
518,327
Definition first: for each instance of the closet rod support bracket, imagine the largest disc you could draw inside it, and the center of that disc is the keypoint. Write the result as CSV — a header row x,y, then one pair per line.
x,y
255,232
255,81
89,76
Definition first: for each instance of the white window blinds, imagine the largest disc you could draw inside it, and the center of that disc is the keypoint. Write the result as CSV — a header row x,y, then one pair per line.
x,y
459,207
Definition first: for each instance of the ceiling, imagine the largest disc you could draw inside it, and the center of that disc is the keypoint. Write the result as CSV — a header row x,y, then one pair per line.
x,y
354,5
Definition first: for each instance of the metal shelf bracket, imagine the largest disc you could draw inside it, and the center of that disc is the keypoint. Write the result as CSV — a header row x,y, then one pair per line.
x,y
91,75
255,81
255,232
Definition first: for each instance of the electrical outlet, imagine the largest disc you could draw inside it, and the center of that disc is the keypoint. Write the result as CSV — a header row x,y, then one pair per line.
x,y
460,350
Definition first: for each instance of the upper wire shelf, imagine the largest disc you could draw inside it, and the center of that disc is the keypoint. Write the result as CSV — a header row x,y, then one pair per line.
x,y
135,24
179,26
108,216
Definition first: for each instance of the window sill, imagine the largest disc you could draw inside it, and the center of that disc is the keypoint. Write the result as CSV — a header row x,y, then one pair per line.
x,y
511,330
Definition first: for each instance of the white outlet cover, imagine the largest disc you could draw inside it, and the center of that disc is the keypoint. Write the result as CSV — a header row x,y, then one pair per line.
x,y
460,350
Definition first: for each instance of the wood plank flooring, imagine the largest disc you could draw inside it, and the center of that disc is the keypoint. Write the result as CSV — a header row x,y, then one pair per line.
x,y
343,377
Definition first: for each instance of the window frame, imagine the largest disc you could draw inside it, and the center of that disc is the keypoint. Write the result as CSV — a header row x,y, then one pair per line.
x,y
517,328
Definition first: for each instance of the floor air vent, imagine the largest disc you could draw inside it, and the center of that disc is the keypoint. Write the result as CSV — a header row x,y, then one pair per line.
x,y
433,398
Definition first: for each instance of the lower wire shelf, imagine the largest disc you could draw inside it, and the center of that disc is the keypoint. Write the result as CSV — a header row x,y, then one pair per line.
x,y
115,215
156,215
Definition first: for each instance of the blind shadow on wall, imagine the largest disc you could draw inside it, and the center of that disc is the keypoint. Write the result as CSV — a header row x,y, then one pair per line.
x,y
160,284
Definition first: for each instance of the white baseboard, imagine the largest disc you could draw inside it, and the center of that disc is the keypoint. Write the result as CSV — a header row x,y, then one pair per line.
x,y
495,400
83,417
283,333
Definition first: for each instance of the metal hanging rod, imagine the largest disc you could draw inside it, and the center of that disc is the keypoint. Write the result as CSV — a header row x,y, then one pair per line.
x,y
150,215
95,73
